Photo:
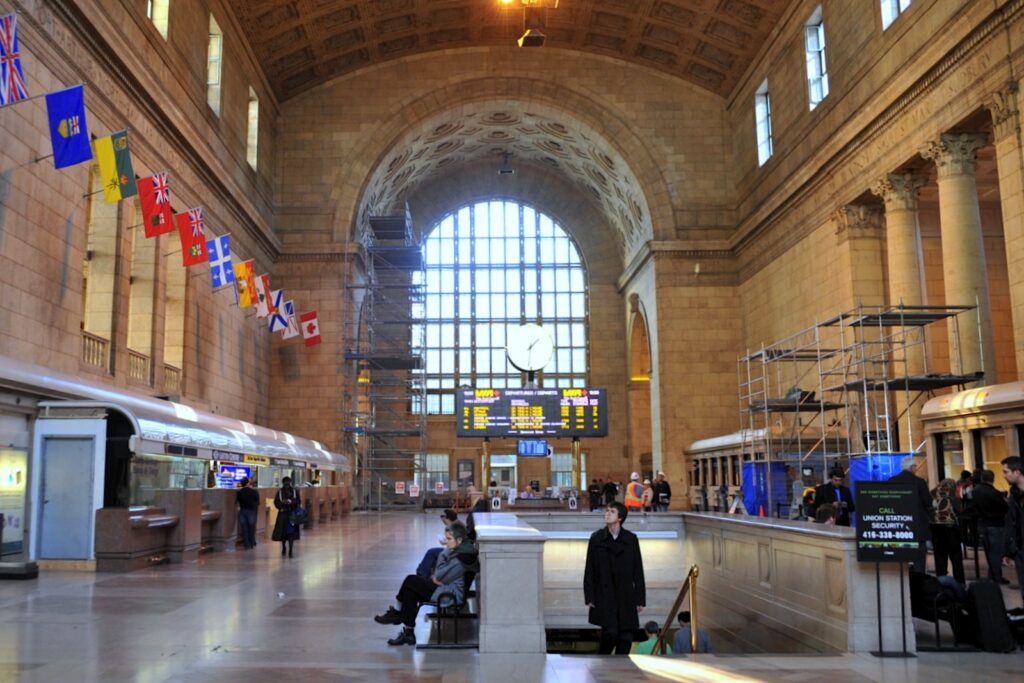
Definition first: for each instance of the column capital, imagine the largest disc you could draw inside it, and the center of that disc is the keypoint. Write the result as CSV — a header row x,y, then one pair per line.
x,y
953,153
858,221
899,190
1002,104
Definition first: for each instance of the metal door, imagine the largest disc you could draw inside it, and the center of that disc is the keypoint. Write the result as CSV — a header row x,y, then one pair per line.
x,y
67,489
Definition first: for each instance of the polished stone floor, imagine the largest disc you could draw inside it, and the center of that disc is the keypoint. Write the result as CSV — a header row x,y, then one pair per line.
x,y
254,616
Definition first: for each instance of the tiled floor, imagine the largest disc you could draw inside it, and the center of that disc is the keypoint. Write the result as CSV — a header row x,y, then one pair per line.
x,y
254,616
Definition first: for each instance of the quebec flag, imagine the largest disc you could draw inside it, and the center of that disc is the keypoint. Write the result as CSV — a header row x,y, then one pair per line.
x,y
218,251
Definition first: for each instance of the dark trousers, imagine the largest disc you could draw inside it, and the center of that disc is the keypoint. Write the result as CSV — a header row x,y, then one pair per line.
x,y
621,643
415,590
247,527
993,540
946,544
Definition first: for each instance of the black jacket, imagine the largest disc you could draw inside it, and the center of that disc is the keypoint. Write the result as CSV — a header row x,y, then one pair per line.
x,y
826,493
286,500
1014,522
613,581
989,505
924,500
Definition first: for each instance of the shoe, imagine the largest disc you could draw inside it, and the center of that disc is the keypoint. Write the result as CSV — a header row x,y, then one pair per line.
x,y
405,637
392,616
1003,582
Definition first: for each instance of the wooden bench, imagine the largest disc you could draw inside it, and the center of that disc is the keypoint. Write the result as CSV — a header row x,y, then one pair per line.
x,y
131,538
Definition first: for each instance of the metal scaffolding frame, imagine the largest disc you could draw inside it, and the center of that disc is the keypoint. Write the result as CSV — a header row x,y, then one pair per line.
x,y
386,419
845,386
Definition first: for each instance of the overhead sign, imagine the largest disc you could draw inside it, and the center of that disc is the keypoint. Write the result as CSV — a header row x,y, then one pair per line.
x,y
887,524
256,459
227,456
531,412
532,448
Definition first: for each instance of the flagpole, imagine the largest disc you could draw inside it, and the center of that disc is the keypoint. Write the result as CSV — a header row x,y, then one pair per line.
x,y
28,163
24,99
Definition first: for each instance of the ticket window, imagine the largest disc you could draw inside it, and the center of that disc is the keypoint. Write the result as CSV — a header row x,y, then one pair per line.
x,y
13,464
990,450
951,455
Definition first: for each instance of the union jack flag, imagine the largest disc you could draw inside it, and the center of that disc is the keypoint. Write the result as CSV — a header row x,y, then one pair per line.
x,y
195,219
12,80
161,190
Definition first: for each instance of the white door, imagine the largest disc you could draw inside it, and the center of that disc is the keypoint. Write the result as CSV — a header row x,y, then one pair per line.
x,y
66,498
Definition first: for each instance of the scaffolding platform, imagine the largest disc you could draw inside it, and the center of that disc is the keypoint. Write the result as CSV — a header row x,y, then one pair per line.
x,y
787,405
929,382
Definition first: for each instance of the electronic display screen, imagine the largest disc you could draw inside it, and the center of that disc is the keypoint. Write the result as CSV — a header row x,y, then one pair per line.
x,y
531,412
532,448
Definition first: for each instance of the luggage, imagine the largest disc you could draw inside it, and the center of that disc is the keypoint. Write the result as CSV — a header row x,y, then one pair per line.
x,y
991,625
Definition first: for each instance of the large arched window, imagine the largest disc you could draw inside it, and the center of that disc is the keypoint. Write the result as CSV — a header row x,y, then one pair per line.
x,y
492,266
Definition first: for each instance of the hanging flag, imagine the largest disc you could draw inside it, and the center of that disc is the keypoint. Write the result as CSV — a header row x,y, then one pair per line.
x,y
293,325
264,305
221,270
278,321
244,284
12,80
69,134
155,198
115,166
192,232
310,328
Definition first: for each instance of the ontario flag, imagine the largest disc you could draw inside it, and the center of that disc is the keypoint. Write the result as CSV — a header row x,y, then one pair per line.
x,y
246,288
192,231
264,304
155,197
12,80
310,328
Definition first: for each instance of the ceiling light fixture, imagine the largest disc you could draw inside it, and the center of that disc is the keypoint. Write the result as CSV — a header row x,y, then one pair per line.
x,y
506,168
535,19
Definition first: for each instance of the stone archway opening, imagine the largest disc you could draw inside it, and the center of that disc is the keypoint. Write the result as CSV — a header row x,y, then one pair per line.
x,y
641,457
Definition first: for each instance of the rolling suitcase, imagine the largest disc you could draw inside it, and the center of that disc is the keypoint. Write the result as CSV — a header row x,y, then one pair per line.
x,y
991,625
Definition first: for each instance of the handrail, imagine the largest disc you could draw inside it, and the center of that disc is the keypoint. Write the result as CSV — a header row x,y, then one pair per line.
x,y
689,587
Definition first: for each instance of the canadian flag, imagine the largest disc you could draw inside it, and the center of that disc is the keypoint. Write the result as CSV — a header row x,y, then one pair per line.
x,y
310,328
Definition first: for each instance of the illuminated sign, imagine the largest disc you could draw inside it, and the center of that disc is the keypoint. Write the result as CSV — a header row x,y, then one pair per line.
x,y
531,412
532,448
256,459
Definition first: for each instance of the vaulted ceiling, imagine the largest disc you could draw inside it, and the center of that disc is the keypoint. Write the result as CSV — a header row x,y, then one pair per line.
x,y
302,43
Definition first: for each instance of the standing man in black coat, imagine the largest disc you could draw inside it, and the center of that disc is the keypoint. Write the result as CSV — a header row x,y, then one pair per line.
x,y
838,495
613,582
908,475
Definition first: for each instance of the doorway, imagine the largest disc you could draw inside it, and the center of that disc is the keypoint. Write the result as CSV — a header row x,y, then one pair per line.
x,y
66,498
503,471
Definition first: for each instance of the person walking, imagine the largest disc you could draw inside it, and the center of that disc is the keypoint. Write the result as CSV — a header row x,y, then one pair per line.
x,y
662,493
248,504
838,495
945,528
634,499
990,509
1013,471
286,529
613,582
594,494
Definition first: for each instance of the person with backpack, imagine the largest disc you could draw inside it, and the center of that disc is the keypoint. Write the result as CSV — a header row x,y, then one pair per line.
x,y
289,516
945,528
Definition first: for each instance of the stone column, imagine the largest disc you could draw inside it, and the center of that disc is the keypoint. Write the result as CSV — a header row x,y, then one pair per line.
x,y
963,251
1005,109
859,238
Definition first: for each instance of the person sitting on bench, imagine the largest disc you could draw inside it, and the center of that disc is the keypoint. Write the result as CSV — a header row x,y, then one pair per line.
x,y
426,567
458,558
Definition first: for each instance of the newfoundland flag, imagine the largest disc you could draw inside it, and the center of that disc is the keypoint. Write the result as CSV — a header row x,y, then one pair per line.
x,y
68,133
192,231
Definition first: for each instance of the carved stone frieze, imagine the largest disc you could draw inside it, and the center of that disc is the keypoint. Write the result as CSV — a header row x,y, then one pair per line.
x,y
899,190
1005,110
858,221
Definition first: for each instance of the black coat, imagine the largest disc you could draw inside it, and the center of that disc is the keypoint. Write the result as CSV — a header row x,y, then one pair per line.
x,y
924,500
826,493
286,500
613,581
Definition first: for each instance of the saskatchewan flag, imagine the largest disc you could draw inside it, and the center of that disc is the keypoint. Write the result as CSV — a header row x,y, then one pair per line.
x,y
115,166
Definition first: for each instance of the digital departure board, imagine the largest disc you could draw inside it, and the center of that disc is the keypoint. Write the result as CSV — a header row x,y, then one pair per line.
x,y
531,412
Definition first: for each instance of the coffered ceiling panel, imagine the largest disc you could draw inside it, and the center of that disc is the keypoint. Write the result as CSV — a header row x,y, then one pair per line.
x,y
302,43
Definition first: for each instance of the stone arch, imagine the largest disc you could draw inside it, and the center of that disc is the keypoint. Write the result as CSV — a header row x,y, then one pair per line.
x,y
641,437
348,195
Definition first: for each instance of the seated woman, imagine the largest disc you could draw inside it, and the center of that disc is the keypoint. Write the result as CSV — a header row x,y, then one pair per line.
x,y
458,558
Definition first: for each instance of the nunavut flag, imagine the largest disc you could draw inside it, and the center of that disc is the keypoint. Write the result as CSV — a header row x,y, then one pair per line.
x,y
192,231
155,197
310,328
245,284
12,80
115,167
69,134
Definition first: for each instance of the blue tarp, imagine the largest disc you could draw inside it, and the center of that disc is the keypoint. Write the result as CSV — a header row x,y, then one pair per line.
x,y
755,487
875,467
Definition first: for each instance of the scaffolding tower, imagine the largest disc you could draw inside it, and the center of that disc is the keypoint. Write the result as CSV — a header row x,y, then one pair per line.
x,y
846,386
386,405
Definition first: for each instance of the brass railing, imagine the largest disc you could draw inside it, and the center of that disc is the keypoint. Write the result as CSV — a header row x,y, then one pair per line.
x,y
95,350
689,588
138,366
172,379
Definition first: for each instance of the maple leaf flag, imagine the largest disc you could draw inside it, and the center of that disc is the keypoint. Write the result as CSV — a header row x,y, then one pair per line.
x,y
310,328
